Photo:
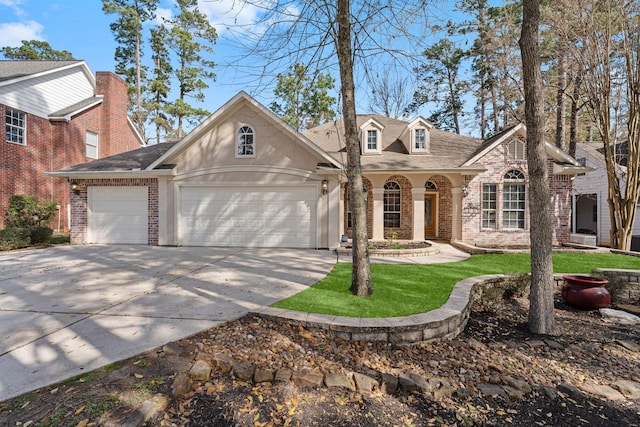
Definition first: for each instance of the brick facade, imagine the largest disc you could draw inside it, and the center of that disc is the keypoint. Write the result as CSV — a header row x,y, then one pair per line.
x,y
497,164
79,205
54,145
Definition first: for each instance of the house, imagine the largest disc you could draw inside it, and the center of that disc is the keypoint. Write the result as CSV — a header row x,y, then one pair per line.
x,y
245,178
57,114
591,214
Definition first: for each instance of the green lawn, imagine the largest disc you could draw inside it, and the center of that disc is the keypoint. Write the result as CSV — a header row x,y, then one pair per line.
x,y
404,289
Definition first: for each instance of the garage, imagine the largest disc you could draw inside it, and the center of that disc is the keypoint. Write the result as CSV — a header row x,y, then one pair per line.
x,y
118,215
283,216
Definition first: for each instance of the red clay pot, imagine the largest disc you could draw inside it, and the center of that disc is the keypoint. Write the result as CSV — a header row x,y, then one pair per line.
x,y
585,292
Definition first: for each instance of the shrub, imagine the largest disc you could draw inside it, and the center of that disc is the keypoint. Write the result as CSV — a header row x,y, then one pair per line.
x,y
26,211
14,238
40,234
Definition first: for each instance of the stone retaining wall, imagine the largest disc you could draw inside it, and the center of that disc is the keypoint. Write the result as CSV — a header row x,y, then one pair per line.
x,y
624,285
445,322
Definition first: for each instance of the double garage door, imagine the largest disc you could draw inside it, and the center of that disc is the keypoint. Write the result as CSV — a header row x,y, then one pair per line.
x,y
248,216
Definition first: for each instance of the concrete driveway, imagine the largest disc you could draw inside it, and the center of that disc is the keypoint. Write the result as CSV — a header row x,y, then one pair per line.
x,y
68,310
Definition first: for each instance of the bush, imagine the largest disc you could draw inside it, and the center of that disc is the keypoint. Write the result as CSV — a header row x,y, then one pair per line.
x,y
40,234
14,238
26,211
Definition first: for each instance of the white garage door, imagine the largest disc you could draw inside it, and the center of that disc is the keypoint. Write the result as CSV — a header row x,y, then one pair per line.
x,y
118,215
255,216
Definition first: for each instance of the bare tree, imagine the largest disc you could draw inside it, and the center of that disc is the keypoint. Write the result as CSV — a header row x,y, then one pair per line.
x,y
391,94
347,32
608,51
541,319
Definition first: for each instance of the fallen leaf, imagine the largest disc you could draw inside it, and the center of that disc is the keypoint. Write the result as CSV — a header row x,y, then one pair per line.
x,y
138,376
79,410
83,423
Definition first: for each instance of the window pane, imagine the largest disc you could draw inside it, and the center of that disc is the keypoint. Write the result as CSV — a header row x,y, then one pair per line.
x,y
245,145
513,206
419,143
489,205
392,203
92,145
15,129
372,140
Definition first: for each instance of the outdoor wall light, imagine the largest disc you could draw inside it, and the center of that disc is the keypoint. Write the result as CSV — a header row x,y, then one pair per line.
x,y
325,187
75,188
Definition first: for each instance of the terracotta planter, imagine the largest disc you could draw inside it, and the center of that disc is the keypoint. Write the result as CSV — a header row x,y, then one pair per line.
x,y
585,292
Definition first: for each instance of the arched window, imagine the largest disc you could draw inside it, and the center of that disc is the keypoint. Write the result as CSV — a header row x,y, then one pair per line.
x,y
430,185
516,150
245,143
391,202
513,200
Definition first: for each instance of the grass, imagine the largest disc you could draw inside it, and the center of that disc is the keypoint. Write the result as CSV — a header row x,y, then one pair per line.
x,y
405,289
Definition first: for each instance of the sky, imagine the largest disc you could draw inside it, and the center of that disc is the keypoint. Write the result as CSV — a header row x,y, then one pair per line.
x,y
81,27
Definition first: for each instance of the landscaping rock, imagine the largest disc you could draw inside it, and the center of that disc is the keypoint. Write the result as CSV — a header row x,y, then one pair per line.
x,y
307,378
477,345
223,363
619,317
181,385
172,349
602,391
283,375
633,309
262,376
243,370
630,389
518,384
629,345
338,380
147,410
491,390
389,383
200,371
364,383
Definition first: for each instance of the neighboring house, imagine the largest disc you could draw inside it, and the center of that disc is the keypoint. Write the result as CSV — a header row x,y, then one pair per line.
x,y
590,193
56,114
245,178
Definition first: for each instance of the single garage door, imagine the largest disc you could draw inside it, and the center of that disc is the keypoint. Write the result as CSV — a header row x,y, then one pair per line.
x,y
118,215
254,217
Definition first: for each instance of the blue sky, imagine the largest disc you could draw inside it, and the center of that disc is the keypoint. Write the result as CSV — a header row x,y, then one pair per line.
x,y
81,27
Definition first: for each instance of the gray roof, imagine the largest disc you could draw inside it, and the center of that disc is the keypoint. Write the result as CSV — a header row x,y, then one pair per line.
x,y
138,159
447,150
77,107
10,69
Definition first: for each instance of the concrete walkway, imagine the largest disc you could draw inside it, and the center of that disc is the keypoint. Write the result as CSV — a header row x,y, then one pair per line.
x,y
69,310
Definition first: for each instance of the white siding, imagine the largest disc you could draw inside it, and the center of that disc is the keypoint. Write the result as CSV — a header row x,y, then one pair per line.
x,y
49,93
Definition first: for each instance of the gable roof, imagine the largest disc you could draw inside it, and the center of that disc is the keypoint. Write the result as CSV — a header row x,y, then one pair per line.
x,y
448,151
127,162
11,70
78,107
211,121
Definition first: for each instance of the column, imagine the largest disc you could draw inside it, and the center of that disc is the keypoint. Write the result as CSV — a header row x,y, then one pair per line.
x,y
418,213
456,213
378,213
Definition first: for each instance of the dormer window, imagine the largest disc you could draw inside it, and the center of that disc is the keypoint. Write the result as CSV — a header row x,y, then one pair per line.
x,y
371,137
372,140
420,139
416,136
245,142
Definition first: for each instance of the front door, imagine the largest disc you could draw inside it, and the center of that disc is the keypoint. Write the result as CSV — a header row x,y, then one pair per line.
x,y
430,220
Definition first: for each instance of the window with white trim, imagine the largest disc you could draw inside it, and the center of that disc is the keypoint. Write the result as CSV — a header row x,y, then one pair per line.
x,y
91,139
392,204
430,185
420,139
516,150
15,126
513,200
372,140
490,206
245,143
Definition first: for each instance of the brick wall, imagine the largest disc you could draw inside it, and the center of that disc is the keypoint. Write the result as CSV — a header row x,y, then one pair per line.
x,y
54,145
445,206
497,165
79,205
405,232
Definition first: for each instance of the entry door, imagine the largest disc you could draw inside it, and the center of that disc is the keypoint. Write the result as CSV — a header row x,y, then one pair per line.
x,y
430,219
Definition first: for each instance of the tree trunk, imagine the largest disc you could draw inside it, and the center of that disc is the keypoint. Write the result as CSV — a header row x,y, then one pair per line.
x,y
573,130
561,105
361,275
541,317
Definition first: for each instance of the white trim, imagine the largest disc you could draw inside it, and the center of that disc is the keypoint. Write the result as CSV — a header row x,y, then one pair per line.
x,y
112,174
249,168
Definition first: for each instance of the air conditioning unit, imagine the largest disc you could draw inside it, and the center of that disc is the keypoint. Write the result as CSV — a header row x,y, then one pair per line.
x,y
583,239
